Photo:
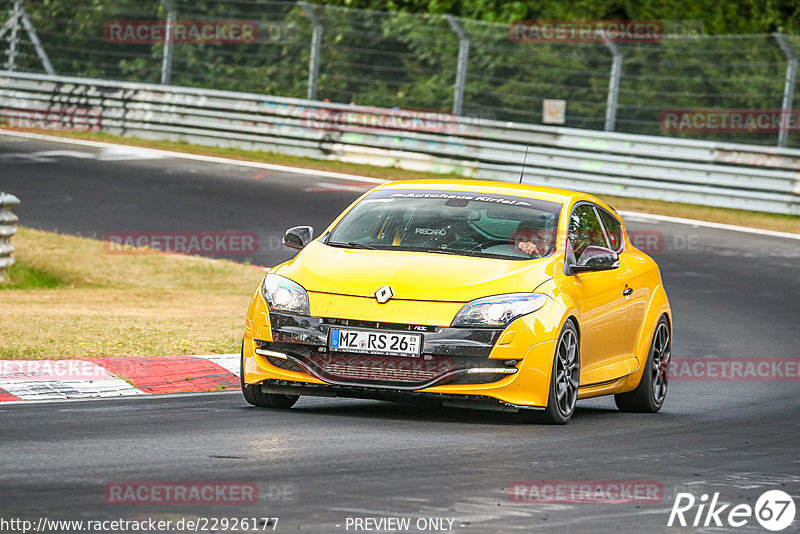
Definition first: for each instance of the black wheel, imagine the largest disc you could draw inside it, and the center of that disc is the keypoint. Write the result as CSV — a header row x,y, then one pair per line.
x,y
254,396
564,381
649,395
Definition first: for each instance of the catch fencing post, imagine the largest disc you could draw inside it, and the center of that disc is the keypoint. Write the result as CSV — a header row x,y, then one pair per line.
x,y
13,40
316,45
613,84
169,42
788,87
37,44
18,16
461,69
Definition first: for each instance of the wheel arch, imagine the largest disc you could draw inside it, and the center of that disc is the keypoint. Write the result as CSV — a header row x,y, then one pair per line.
x,y
657,308
571,317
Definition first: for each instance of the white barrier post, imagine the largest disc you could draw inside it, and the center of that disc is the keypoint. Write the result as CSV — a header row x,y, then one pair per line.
x,y
8,227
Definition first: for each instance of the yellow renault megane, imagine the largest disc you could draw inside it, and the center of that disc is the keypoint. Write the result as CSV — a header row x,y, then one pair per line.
x,y
476,294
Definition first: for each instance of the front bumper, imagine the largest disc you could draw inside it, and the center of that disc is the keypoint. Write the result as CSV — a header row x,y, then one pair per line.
x,y
505,368
480,402
449,355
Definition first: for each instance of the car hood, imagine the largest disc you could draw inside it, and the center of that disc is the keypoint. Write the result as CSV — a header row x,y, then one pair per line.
x,y
412,275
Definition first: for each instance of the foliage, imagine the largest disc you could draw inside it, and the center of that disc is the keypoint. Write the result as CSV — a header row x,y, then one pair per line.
x,y
407,57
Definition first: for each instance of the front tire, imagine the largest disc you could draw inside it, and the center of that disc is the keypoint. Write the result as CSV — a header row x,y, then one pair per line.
x,y
649,395
564,381
254,396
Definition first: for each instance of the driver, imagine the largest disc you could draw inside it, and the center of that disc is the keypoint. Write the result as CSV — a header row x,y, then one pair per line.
x,y
532,239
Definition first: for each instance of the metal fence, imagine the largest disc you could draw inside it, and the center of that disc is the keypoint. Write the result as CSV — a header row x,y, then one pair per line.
x,y
441,63
8,227
698,172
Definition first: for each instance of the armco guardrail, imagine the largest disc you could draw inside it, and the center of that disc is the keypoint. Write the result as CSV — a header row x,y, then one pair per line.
x,y
8,227
699,172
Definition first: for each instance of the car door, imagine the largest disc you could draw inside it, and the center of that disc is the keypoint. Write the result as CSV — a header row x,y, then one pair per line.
x,y
601,304
636,285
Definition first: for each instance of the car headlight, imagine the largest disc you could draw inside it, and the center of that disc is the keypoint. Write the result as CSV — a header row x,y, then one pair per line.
x,y
285,295
498,310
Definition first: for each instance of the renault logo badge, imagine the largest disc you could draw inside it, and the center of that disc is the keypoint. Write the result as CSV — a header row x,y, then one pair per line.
x,y
383,294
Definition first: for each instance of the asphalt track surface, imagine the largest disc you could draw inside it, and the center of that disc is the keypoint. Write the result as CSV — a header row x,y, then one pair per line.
x,y
734,295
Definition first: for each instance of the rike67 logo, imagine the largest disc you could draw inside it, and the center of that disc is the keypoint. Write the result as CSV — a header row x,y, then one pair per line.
x,y
774,510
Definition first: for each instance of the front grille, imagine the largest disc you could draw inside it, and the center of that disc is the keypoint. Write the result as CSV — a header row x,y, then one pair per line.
x,y
283,363
363,368
379,325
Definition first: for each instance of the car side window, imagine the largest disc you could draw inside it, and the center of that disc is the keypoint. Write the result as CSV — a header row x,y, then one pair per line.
x,y
585,230
613,230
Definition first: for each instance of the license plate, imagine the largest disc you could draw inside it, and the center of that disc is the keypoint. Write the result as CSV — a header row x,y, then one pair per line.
x,y
375,342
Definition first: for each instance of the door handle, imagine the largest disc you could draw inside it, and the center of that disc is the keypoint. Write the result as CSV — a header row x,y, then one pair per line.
x,y
627,291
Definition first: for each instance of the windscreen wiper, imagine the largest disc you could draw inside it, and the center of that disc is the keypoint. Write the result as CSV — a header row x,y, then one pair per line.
x,y
439,251
350,244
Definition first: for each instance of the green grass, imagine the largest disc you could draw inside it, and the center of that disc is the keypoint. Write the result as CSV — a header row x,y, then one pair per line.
x,y
23,276
67,297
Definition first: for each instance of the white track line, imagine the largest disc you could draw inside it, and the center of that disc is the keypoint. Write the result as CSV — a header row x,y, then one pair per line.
x,y
160,396
61,379
35,390
196,157
74,379
706,224
353,177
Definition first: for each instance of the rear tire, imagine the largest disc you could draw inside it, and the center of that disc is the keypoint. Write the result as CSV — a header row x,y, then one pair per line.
x,y
649,395
564,381
254,396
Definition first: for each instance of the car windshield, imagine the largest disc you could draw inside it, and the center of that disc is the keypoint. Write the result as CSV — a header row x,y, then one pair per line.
x,y
450,222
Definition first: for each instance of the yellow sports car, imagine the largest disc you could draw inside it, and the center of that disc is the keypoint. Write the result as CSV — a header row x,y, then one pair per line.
x,y
477,294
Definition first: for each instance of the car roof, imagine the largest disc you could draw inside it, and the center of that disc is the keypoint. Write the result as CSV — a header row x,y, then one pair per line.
x,y
552,194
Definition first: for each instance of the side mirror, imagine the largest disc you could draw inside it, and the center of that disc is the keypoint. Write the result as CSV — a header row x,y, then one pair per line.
x,y
298,237
596,259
